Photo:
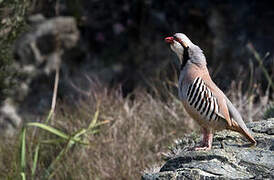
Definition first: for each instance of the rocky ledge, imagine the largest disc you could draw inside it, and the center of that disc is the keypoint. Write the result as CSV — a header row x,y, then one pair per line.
x,y
230,158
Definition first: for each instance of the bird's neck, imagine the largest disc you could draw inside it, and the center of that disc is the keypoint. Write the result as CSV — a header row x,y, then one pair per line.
x,y
200,65
193,66
184,58
197,56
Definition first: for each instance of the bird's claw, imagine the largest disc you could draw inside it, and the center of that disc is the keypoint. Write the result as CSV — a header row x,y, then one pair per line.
x,y
202,148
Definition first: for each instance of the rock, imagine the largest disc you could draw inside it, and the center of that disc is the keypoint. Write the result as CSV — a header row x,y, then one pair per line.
x,y
230,158
44,39
9,118
48,44
38,52
36,19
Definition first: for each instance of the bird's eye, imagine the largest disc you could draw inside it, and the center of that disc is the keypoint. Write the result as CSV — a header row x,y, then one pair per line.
x,y
176,39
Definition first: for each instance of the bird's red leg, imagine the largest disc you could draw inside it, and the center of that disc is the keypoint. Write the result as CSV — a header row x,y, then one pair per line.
x,y
207,140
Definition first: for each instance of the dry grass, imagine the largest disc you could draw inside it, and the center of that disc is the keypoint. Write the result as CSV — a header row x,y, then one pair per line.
x,y
137,132
139,128
251,104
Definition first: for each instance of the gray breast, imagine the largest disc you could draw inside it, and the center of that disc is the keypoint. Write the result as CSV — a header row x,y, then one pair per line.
x,y
182,87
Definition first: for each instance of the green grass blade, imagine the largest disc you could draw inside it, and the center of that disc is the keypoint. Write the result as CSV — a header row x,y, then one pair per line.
x,y
94,120
50,170
55,131
49,129
35,160
261,65
23,150
94,131
53,141
101,123
23,175
49,116
79,133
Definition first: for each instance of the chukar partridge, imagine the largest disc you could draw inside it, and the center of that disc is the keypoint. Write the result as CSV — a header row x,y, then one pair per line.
x,y
201,97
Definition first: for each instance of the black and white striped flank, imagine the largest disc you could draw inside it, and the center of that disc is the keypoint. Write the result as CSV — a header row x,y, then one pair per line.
x,y
200,97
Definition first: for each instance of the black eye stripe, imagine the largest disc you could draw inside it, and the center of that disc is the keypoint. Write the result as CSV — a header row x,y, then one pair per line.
x,y
179,41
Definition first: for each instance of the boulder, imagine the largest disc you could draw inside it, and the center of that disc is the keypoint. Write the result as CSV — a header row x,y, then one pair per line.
x,y
230,158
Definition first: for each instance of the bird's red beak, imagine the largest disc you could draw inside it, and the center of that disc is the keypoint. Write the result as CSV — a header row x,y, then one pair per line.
x,y
169,40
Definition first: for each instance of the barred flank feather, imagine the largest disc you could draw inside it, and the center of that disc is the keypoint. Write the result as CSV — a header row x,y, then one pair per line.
x,y
201,98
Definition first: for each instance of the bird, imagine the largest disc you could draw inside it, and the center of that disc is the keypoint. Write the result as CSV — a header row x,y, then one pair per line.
x,y
201,97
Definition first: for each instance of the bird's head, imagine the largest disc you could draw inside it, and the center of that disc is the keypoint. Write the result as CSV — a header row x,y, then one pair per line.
x,y
185,49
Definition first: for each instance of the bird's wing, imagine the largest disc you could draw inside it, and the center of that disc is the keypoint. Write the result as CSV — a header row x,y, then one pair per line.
x,y
205,99
230,113
235,115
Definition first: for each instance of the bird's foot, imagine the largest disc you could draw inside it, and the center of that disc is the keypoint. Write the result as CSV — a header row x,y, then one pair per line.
x,y
202,148
207,141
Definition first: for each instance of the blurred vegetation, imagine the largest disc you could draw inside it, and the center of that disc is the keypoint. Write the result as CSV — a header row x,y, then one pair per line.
x,y
127,36
13,22
269,112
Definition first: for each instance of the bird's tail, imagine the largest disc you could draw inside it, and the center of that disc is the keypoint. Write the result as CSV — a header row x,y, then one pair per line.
x,y
244,132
